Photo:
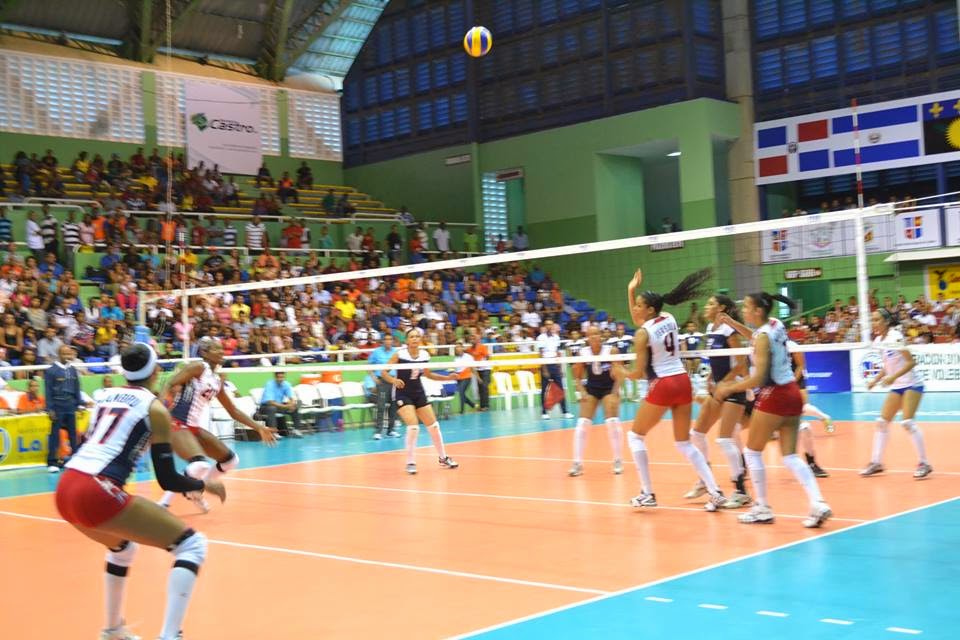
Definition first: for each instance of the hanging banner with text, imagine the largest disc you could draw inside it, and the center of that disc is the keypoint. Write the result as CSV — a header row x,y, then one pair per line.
x,y
943,279
917,230
223,127
952,217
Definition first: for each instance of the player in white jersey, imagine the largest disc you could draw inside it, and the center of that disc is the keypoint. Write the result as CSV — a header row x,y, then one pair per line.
x,y
599,385
657,344
805,437
906,392
193,388
91,497
777,408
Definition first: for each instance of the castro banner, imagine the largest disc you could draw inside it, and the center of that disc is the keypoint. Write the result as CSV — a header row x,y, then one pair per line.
x,y
938,366
223,127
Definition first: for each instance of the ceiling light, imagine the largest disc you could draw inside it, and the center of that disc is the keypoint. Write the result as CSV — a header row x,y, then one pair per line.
x,y
673,154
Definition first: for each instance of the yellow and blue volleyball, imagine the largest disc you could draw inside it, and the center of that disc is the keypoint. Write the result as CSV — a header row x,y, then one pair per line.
x,y
478,42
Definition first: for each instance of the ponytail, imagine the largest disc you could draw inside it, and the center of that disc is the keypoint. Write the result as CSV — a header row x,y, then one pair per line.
x,y
729,306
689,288
765,301
891,319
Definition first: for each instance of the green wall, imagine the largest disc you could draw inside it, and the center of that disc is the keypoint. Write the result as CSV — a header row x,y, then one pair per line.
x,y
620,196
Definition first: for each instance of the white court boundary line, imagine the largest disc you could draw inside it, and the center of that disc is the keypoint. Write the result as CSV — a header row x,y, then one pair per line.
x,y
495,496
363,561
646,585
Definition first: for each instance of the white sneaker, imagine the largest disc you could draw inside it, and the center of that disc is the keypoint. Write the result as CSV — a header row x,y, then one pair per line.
x,y
545,416
568,415
377,436
698,490
818,515
737,500
120,633
759,514
197,498
617,466
644,500
575,470
412,468
296,433
53,469
715,502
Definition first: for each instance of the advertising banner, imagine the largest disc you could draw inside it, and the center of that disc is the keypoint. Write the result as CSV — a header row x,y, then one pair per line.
x,y
223,127
938,366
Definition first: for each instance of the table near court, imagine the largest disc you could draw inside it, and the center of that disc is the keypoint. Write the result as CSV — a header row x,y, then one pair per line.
x,y
23,438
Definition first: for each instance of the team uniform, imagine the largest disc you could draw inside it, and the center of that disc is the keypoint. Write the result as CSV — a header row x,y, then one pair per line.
x,y
780,394
412,392
191,407
669,383
91,489
893,361
718,337
599,381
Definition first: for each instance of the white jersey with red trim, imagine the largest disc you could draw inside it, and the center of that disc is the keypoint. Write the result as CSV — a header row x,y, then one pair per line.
x,y
781,371
894,360
664,345
192,404
118,435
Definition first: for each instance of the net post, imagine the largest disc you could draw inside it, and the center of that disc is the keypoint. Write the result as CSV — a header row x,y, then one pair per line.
x,y
863,291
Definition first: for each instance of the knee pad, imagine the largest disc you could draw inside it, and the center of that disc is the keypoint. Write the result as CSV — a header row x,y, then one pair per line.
x,y
190,550
121,557
583,423
804,426
696,436
636,442
413,430
197,467
909,426
883,425
754,459
612,423
230,463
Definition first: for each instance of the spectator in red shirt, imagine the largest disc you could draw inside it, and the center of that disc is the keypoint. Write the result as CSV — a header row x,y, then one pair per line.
x,y
198,235
285,189
293,234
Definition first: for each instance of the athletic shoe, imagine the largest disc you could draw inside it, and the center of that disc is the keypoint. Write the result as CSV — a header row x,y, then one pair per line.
x,y
296,433
872,469
715,502
448,463
923,470
829,426
545,416
818,470
757,515
120,633
575,470
818,515
737,500
377,436
196,497
53,469
412,468
568,415
644,500
698,490
617,466
393,433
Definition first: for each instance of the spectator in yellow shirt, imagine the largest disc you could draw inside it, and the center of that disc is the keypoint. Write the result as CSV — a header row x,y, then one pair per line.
x,y
237,308
346,308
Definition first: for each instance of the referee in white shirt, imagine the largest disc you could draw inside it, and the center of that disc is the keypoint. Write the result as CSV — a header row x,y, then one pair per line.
x,y
548,344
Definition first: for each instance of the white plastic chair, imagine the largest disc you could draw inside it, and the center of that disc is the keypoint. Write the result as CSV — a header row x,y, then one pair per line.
x,y
221,424
257,395
528,390
355,399
12,397
434,391
504,385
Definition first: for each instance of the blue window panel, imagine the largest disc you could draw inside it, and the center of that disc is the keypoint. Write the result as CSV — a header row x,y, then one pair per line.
x,y
871,179
441,111
402,79
877,6
796,63
404,121
461,109
953,169
528,95
502,17
553,90
438,27
856,49
670,18
621,74
371,128
550,52
421,77
591,38
353,132
458,68
570,43
370,91
591,5
925,173
645,67
822,12
887,49
647,21
840,184
421,34
813,187
440,77
946,27
456,21
769,70
384,47
915,38
401,39
386,86
823,53
621,31
569,8
896,176
766,17
425,115
523,14
525,52
671,59
793,16
708,62
387,125
352,94
548,11
705,19
854,8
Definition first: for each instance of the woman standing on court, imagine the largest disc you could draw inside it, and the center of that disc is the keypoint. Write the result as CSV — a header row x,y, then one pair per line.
x,y
777,407
657,343
91,496
413,407
906,392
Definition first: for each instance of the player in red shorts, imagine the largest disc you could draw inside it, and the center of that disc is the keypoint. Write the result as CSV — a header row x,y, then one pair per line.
x,y
657,342
91,495
778,407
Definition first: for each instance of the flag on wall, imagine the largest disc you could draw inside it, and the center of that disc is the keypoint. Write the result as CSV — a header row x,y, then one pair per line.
x,y
941,126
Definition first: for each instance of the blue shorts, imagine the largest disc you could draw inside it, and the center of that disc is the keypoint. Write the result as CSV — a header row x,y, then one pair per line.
x,y
918,388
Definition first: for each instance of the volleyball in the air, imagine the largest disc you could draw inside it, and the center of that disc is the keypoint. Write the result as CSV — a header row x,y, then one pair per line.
x,y
478,42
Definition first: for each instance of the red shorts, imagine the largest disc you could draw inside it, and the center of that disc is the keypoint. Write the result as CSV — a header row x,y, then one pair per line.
x,y
672,391
89,501
780,399
178,425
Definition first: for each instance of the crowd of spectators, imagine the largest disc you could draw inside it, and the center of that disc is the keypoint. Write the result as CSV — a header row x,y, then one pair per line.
x,y
849,202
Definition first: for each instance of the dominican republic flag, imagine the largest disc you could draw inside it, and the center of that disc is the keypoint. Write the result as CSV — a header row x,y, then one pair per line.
x,y
822,144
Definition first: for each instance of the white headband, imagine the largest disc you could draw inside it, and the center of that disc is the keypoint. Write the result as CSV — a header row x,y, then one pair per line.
x,y
147,369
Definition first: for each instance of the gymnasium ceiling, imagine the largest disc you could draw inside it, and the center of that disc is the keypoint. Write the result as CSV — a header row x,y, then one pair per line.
x,y
269,38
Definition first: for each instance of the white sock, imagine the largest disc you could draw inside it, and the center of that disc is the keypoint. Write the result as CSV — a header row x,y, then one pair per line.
x,y
917,436
437,437
118,565
801,471
805,438
412,432
880,437
580,438
615,434
736,437
730,450
179,590
810,410
699,440
758,475
198,469
639,451
700,464
221,468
